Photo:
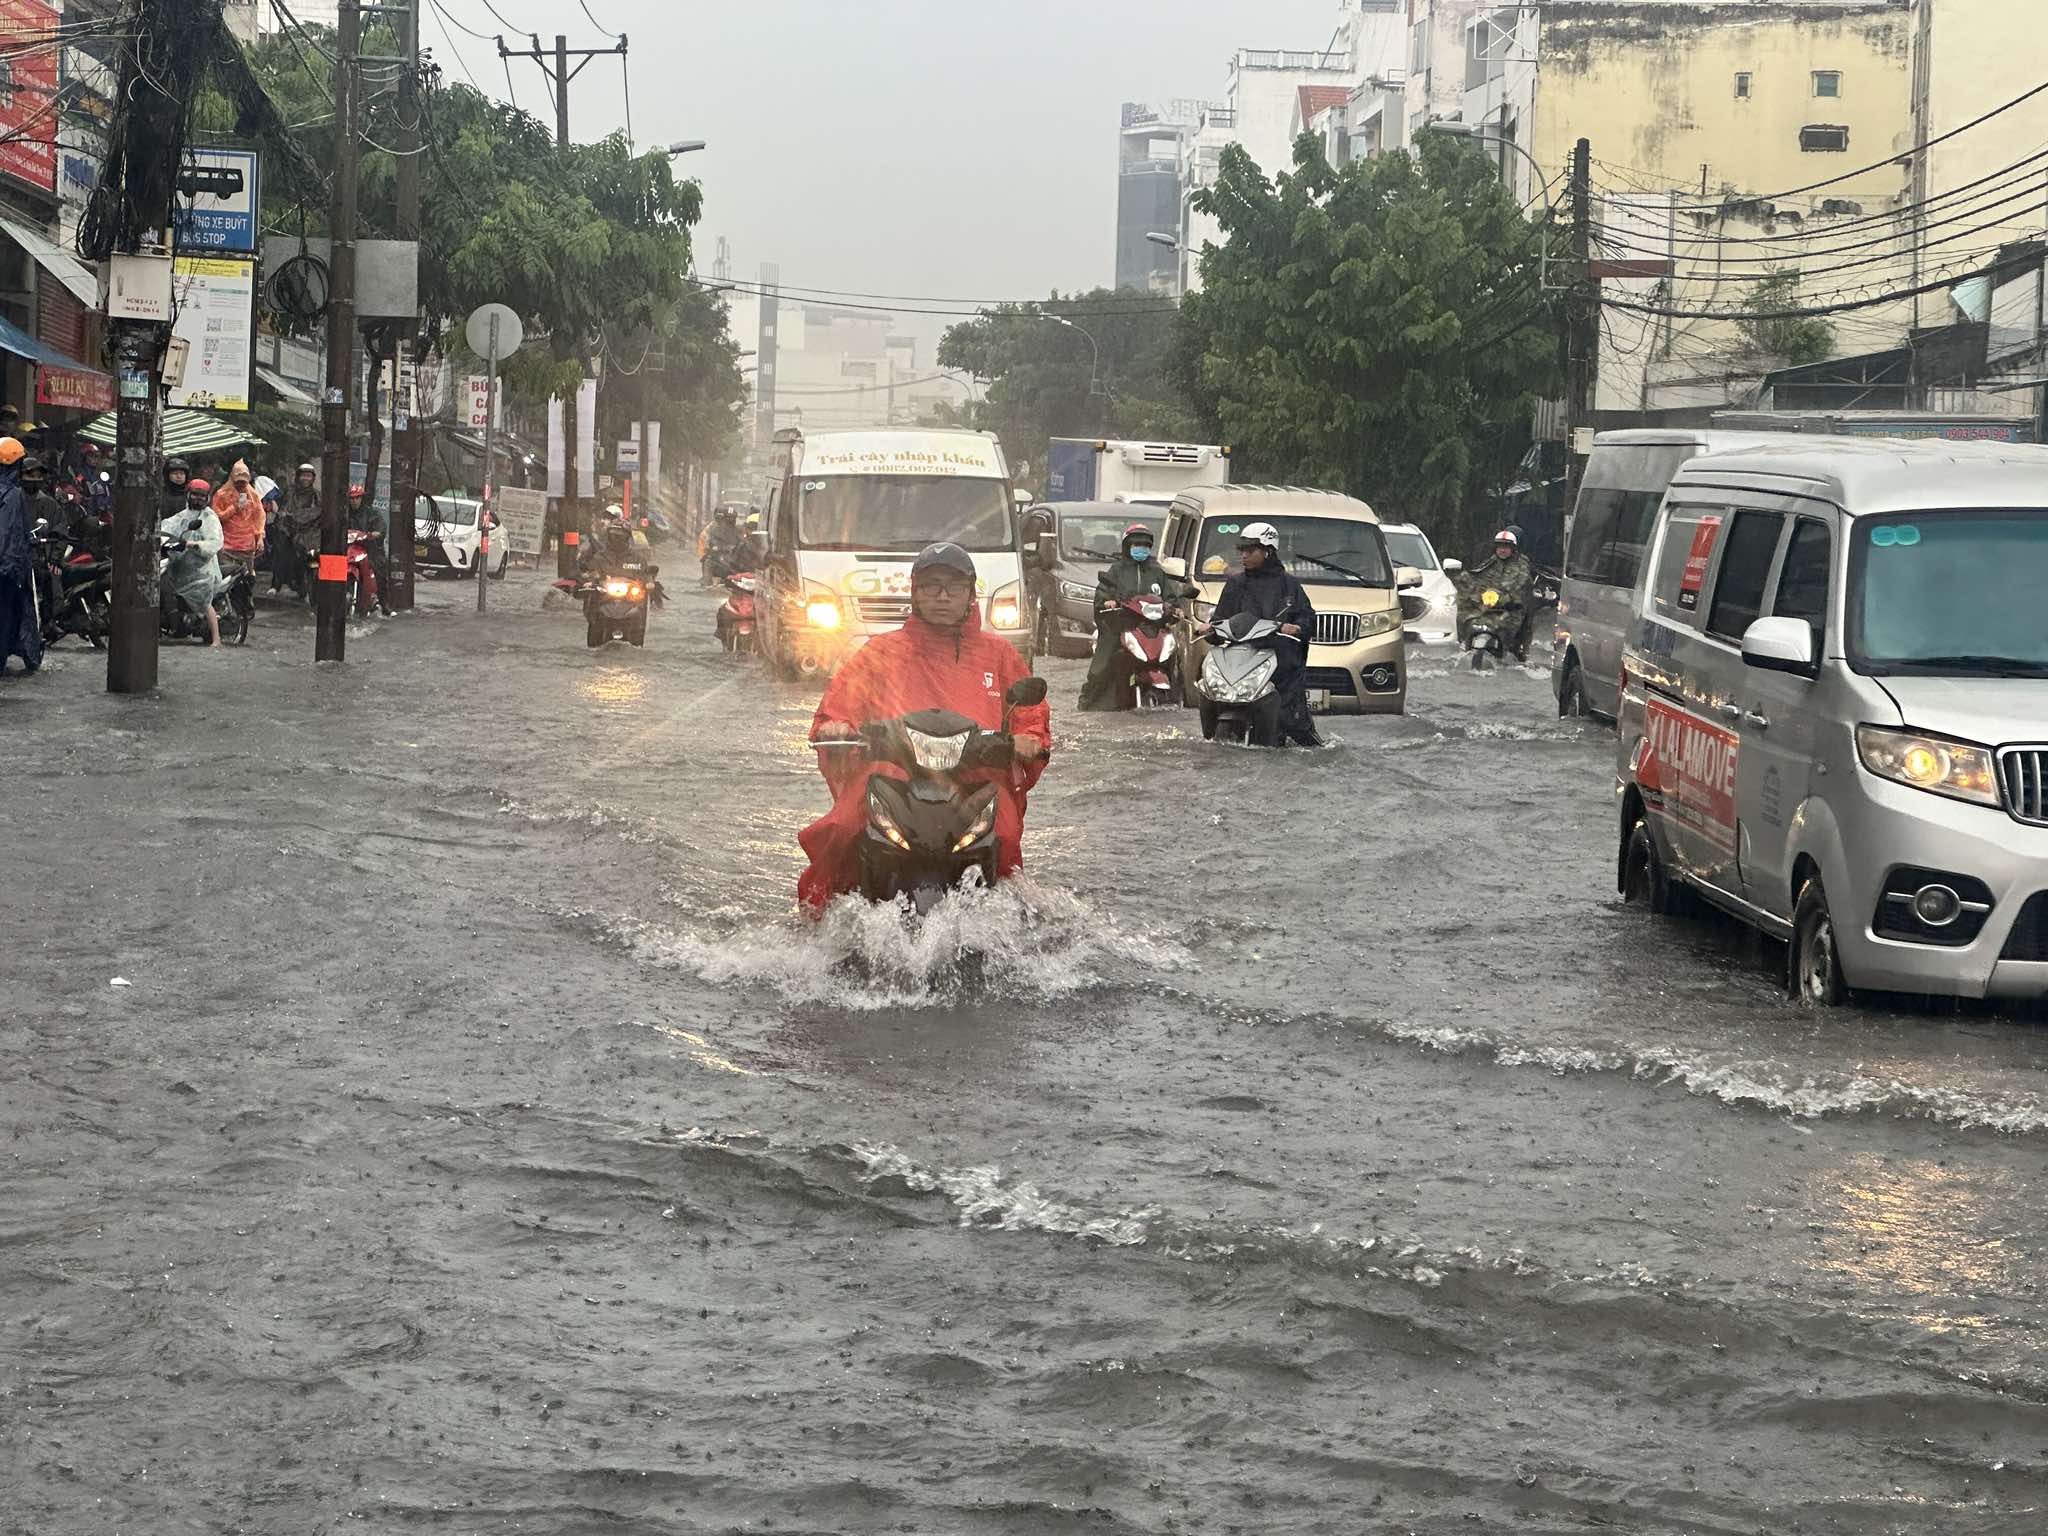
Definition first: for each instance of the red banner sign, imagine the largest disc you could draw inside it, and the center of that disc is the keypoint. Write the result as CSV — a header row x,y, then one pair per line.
x,y
74,389
28,92
1694,576
1687,771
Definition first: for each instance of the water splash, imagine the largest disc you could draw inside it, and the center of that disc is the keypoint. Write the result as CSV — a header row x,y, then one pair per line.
x,y
1019,939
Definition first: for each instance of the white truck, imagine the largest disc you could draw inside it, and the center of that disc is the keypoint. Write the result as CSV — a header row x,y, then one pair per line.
x,y
1145,474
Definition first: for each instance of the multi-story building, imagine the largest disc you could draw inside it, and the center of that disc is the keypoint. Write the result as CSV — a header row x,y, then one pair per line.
x,y
1151,145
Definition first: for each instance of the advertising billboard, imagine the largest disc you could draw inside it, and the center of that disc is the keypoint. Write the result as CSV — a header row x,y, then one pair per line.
x,y
215,299
28,93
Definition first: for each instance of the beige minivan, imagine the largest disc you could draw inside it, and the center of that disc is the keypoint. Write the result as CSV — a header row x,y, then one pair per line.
x,y
1332,544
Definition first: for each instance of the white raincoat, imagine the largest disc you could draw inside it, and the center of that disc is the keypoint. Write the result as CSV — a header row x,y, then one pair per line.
x,y
195,574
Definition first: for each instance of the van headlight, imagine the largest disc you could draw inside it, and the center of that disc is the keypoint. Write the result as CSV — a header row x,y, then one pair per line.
x,y
1386,620
1959,769
1006,607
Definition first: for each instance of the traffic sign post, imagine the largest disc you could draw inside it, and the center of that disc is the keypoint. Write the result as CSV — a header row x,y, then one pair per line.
x,y
493,332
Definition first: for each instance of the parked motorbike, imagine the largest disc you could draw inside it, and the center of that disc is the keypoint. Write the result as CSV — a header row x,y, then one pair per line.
x,y
73,587
736,614
234,604
1145,681
927,831
1487,631
1239,703
615,605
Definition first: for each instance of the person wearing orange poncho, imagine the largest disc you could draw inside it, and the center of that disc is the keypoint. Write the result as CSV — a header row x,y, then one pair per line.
x,y
240,511
940,659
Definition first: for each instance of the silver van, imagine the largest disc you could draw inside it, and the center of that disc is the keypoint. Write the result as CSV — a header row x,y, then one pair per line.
x,y
1604,541
1834,711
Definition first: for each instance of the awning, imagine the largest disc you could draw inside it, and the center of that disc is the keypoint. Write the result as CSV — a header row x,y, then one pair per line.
x,y
62,379
185,433
58,262
285,388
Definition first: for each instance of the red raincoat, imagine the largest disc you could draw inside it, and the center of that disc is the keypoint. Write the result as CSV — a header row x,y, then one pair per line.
x,y
917,667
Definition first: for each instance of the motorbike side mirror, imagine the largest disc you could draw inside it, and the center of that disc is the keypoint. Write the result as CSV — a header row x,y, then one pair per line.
x,y
1025,692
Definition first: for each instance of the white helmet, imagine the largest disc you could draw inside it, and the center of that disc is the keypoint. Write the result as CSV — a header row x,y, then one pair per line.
x,y
1507,536
1260,533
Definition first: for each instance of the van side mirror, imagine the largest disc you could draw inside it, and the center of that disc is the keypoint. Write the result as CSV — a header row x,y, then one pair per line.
x,y
1779,645
1025,692
1453,567
1406,578
1173,565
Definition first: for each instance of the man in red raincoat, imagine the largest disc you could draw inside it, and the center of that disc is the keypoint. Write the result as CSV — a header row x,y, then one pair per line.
x,y
940,659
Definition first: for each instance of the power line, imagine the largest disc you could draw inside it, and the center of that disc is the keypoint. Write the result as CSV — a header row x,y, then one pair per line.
x,y
2011,264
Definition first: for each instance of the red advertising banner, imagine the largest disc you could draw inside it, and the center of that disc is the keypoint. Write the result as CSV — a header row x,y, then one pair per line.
x,y
1694,576
1687,771
28,92
76,389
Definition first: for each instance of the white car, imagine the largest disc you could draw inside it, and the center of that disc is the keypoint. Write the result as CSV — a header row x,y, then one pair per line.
x,y
1437,624
445,537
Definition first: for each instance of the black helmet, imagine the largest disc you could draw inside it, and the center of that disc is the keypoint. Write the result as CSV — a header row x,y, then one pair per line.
x,y
177,467
942,557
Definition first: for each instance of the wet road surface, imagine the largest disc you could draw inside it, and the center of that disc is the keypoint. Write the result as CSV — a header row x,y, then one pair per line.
x,y
481,1144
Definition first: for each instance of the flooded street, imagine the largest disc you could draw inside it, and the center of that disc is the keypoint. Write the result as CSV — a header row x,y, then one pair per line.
x,y
475,1140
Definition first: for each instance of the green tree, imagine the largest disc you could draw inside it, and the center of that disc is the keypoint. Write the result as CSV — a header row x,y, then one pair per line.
x,y
1379,329
1045,380
1797,339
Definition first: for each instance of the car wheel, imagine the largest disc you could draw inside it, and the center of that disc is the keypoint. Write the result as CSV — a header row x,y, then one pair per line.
x,y
1816,962
1644,881
1571,700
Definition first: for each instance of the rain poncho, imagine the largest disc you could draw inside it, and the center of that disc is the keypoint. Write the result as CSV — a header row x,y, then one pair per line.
x,y
195,574
241,514
917,667
20,634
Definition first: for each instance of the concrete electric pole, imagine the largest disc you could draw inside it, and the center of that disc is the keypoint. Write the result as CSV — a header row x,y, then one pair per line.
x,y
330,633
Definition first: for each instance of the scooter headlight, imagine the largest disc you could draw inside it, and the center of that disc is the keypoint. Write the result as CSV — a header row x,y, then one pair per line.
x,y
880,819
617,588
823,615
978,828
936,754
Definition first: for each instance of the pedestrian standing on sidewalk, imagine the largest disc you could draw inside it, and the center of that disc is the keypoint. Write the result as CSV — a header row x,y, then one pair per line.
x,y
20,634
241,520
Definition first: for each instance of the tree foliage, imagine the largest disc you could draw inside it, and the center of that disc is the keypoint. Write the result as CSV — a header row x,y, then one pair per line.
x,y
1044,380
1379,329
1799,340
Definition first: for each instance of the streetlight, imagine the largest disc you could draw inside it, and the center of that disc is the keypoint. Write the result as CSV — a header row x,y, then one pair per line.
x,y
1171,242
1478,135
684,146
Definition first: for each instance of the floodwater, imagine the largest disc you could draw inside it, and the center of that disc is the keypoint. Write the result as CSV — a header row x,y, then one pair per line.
x,y
476,1141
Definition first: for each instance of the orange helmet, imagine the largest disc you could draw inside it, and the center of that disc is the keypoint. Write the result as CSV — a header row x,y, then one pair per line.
x,y
11,450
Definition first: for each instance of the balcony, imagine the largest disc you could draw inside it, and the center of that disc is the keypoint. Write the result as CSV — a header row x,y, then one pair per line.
x,y
1281,58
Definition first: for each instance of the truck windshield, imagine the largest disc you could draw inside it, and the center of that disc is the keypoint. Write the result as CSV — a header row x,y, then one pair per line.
x,y
1317,551
904,512
1098,538
1950,593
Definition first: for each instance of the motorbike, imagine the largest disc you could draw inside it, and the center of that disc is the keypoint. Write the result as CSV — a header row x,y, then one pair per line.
x,y
615,605
927,831
736,613
1145,680
362,575
234,604
1488,630
73,587
1239,703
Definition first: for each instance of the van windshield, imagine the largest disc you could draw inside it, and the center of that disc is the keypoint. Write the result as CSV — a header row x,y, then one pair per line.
x,y
1950,594
1317,551
904,512
1099,538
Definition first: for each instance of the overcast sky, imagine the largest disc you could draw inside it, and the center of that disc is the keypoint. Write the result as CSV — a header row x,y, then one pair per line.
x,y
952,148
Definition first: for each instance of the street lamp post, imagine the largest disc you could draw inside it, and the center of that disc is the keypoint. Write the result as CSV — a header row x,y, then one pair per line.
x,y
1094,361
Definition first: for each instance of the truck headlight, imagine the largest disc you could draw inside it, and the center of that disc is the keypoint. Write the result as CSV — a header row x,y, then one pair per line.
x,y
1006,607
1957,769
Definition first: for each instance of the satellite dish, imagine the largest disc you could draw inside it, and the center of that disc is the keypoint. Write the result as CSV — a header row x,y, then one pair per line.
x,y
477,332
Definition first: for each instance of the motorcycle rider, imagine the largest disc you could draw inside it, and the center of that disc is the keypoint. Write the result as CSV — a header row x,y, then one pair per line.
x,y
725,546
1508,572
20,634
301,533
1265,590
940,659
613,552
177,474
364,515
1134,573
193,574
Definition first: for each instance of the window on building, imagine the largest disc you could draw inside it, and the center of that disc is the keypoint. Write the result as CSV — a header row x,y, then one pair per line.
x,y
1823,138
1827,82
1742,79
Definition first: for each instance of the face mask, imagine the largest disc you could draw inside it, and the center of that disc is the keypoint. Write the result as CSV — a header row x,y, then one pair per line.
x,y
1140,553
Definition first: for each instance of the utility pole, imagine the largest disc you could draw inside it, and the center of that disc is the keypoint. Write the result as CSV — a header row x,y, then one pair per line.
x,y
330,633
1583,334
405,449
560,74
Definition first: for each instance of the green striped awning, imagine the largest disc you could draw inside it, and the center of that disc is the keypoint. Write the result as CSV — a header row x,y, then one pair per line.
x,y
186,433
